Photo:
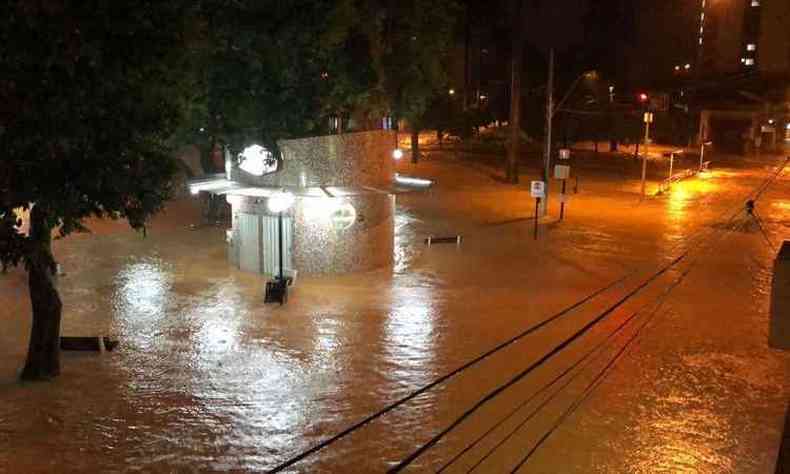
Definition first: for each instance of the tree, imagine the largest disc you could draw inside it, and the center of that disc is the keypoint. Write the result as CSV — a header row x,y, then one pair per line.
x,y
267,71
92,91
416,39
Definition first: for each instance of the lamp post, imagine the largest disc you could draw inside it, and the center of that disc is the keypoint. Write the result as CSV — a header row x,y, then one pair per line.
x,y
277,289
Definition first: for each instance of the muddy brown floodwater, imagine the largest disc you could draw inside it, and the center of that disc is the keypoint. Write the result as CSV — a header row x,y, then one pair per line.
x,y
209,379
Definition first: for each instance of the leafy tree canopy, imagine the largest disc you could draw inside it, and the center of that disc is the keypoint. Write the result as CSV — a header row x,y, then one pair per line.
x,y
268,70
91,94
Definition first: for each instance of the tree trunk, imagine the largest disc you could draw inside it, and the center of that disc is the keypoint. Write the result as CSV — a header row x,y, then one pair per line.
x,y
515,93
43,357
415,145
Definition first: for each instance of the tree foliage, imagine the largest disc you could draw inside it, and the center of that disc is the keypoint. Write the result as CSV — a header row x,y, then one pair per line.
x,y
270,70
417,39
91,93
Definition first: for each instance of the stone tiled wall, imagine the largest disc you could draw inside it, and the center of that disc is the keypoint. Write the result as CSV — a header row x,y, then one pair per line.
x,y
365,245
351,159
320,247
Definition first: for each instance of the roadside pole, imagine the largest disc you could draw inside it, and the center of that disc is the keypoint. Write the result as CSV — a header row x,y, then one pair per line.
x,y
648,118
549,120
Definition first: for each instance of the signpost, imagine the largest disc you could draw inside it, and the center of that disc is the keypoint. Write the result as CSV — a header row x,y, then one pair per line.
x,y
537,189
563,172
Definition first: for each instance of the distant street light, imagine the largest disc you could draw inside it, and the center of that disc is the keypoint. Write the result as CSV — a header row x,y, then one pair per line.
x,y
451,92
397,153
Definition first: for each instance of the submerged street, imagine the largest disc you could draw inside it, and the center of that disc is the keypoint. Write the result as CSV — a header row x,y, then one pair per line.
x,y
208,378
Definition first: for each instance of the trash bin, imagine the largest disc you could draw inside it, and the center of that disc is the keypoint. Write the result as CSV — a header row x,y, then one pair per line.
x,y
779,337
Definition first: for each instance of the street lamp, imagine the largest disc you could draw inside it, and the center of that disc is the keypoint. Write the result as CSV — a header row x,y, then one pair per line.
x,y
277,289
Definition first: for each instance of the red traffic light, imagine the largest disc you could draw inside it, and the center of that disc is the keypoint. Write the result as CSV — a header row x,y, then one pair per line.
x,y
642,97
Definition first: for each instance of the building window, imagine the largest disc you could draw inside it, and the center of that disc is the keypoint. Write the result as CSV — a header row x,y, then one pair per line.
x,y
751,47
748,61
755,3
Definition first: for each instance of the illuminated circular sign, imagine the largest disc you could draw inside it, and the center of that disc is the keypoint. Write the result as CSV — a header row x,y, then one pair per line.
x,y
257,161
343,216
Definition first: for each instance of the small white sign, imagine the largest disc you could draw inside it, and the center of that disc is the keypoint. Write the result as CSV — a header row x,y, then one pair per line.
x,y
562,171
565,154
537,189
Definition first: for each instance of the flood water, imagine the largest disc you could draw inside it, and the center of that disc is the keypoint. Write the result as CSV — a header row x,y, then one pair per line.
x,y
209,379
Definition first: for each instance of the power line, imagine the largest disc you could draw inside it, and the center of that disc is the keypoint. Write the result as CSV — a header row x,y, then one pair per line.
x,y
550,398
494,393
601,376
445,377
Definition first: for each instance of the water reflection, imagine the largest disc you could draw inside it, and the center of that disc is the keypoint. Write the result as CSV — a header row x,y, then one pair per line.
x,y
683,206
403,246
141,297
410,334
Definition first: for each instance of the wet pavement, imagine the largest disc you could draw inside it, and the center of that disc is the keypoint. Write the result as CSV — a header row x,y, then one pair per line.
x,y
208,378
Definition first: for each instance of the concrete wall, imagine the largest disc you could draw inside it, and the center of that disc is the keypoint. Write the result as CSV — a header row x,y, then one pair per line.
x,y
351,159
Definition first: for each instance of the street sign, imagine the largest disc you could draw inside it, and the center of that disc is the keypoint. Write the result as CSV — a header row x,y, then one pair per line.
x,y
648,117
565,154
537,189
562,171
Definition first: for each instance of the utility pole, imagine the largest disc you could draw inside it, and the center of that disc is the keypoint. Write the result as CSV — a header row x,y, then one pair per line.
x,y
549,120
648,120
516,59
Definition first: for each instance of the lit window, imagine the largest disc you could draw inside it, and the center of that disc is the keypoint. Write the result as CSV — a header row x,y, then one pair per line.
x,y
748,61
755,3
751,47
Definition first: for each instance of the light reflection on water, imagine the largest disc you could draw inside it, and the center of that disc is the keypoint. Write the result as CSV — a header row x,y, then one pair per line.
x,y
410,336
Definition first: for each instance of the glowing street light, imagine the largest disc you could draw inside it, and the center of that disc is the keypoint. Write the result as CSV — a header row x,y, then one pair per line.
x,y
397,153
451,92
